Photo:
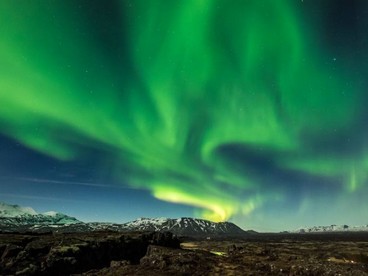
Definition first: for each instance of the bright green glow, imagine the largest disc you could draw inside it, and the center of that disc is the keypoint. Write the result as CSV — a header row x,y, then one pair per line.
x,y
217,209
206,74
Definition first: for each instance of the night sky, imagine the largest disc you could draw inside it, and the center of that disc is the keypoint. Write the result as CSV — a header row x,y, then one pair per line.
x,y
253,111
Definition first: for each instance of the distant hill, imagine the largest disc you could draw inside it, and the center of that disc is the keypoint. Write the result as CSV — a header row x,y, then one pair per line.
x,y
331,228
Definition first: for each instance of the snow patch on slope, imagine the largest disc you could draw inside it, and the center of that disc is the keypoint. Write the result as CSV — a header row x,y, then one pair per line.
x,y
51,213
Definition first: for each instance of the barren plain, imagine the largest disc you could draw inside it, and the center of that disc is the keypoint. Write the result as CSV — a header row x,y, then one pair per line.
x,y
112,253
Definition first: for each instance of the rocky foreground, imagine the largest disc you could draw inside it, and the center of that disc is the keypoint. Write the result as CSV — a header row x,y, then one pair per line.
x,y
152,253
73,253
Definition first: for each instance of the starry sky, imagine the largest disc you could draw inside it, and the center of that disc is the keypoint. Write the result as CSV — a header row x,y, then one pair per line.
x,y
253,111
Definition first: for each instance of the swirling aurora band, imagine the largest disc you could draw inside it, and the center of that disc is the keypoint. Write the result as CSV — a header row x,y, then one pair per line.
x,y
198,99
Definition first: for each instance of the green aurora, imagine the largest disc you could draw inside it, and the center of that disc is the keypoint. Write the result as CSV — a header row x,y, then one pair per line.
x,y
186,96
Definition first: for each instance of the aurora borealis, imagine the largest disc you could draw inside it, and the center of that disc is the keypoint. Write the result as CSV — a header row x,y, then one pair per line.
x,y
245,110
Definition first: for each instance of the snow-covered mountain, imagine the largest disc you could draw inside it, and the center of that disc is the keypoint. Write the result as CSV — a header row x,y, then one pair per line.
x,y
332,228
17,217
9,211
14,218
186,227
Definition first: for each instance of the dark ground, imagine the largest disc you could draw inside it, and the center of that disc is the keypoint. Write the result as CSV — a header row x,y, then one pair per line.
x,y
112,253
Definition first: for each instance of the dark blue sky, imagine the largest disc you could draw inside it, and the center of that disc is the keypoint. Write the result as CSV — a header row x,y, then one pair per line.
x,y
77,188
